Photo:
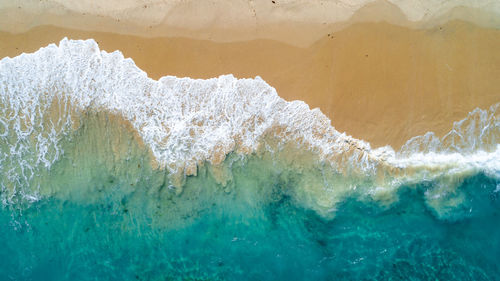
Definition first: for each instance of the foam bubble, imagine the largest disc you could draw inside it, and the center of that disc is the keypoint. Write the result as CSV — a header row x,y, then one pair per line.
x,y
185,123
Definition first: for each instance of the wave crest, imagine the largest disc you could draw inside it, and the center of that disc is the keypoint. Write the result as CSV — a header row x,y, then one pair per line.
x,y
182,124
479,131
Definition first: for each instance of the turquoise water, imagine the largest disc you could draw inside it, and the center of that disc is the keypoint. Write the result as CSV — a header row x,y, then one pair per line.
x,y
230,239
106,174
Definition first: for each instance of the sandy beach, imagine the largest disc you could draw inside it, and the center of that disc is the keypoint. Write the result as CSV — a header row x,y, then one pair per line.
x,y
377,81
249,140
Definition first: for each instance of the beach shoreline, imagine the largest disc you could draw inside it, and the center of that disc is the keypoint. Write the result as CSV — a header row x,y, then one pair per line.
x,y
377,78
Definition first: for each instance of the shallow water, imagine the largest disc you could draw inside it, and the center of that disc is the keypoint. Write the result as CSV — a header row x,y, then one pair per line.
x,y
229,238
110,175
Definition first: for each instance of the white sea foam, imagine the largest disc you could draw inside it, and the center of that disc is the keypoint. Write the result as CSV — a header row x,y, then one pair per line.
x,y
181,119
186,122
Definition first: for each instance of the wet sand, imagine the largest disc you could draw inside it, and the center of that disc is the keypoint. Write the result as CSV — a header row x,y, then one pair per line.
x,y
376,81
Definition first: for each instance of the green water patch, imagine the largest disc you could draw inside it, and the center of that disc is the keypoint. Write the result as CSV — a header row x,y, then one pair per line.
x,y
104,211
226,236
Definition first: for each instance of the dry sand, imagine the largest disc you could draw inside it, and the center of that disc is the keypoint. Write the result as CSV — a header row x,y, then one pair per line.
x,y
296,22
377,81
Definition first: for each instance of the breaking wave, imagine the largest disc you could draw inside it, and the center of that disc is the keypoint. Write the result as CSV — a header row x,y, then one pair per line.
x,y
76,121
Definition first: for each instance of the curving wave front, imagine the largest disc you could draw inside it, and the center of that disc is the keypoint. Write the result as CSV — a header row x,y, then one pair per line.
x,y
110,175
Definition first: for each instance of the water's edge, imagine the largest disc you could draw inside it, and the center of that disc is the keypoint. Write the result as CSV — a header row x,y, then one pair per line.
x,y
110,175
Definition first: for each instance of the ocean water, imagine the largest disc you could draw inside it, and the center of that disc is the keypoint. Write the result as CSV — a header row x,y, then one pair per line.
x,y
107,174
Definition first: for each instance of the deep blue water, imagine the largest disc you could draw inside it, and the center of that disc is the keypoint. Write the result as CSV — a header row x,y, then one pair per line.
x,y
232,239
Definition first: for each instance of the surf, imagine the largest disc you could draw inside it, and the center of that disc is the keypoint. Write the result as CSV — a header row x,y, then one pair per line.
x,y
109,174
176,127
